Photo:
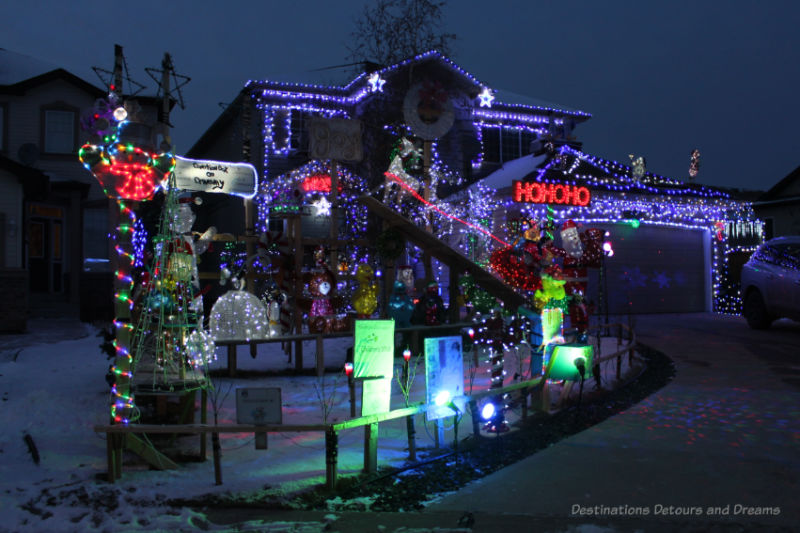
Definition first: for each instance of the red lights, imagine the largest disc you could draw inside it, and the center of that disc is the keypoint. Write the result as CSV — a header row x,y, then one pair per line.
x,y
550,193
319,183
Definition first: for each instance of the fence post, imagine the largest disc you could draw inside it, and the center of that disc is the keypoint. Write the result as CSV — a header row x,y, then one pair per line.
x,y
371,447
412,441
331,457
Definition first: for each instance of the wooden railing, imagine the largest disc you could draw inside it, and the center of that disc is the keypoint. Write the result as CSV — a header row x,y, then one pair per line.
x,y
117,435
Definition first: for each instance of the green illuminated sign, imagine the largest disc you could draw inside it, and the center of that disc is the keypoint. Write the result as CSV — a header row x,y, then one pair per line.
x,y
373,357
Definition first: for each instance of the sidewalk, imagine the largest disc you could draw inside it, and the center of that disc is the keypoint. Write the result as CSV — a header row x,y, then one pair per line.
x,y
723,435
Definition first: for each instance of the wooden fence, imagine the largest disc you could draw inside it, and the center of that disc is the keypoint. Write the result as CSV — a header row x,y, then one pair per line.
x,y
120,436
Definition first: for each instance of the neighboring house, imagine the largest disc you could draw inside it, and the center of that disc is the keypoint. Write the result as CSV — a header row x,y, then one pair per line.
x,y
54,217
779,207
677,261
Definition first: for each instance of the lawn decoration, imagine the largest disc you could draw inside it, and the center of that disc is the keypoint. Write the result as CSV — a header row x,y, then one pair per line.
x,y
121,156
395,193
321,316
405,275
238,315
694,164
400,307
365,299
430,309
480,300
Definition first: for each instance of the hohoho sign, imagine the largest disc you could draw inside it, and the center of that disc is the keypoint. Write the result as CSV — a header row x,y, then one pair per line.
x,y
549,193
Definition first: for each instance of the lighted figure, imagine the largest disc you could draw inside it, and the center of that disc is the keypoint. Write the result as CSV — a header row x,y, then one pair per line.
x,y
321,316
365,298
185,249
277,300
400,307
397,179
638,166
480,300
405,275
694,163
430,309
580,251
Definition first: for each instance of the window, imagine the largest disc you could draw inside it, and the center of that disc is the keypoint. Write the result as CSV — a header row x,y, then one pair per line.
x,y
505,144
3,120
59,135
59,129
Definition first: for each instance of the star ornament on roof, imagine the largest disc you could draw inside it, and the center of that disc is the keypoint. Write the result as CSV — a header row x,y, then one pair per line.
x,y
376,83
486,97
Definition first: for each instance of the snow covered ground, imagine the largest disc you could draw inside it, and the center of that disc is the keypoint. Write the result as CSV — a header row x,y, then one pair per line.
x,y
55,393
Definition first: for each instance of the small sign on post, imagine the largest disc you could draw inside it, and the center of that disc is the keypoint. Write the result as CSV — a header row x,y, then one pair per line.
x,y
215,176
259,406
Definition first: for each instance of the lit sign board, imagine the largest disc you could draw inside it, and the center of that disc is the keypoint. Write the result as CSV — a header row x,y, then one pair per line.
x,y
318,183
549,193
215,176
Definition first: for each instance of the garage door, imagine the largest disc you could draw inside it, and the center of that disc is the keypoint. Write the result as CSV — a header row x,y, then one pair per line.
x,y
654,270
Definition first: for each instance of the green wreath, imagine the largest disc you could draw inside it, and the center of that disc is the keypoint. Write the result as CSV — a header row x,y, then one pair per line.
x,y
390,244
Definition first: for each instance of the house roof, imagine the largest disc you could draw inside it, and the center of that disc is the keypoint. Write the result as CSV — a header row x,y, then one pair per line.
x,y
782,189
586,169
15,68
19,73
317,85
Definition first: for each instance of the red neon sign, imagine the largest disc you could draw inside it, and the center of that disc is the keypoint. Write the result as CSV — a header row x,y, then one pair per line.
x,y
549,193
319,183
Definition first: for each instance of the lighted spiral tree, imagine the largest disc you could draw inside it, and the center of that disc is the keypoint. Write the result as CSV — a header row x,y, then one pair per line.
x,y
121,156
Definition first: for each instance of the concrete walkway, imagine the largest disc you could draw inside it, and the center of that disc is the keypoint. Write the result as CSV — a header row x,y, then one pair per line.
x,y
719,444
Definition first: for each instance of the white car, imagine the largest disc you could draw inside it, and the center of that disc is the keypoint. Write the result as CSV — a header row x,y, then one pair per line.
x,y
771,282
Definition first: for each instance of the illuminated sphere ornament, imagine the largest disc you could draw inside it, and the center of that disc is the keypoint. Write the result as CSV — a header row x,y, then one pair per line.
x,y
200,348
238,315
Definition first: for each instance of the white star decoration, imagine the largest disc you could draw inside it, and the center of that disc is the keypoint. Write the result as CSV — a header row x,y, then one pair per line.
x,y
323,207
376,83
486,97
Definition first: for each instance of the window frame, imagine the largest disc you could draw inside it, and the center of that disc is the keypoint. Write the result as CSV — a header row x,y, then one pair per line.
x,y
64,107
3,127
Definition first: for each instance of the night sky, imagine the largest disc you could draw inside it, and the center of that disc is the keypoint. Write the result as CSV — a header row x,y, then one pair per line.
x,y
659,80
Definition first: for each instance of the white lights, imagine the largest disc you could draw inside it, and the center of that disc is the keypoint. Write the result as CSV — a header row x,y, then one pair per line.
x,y
486,97
376,83
322,207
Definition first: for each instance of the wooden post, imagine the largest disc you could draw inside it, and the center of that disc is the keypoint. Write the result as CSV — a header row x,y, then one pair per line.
x,y
203,420
371,447
473,410
320,356
296,234
217,452
454,292
232,360
411,431
331,458
333,233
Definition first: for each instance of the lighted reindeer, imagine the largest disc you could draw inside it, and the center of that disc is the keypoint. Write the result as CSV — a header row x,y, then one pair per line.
x,y
396,174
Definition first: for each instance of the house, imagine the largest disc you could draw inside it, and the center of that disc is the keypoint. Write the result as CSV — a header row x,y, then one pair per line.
x,y
301,135
779,207
54,217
